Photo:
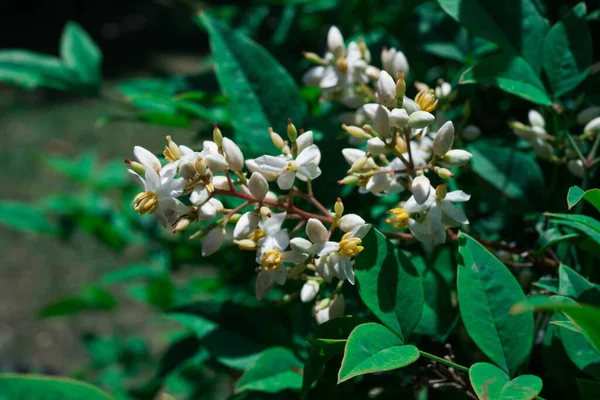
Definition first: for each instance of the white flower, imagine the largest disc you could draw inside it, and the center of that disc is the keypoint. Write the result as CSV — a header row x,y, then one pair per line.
x,y
327,310
253,167
352,155
379,182
309,291
435,213
146,158
159,196
304,166
335,258
271,255
335,42
394,61
213,241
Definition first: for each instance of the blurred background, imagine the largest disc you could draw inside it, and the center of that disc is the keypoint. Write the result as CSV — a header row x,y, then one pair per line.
x,y
53,142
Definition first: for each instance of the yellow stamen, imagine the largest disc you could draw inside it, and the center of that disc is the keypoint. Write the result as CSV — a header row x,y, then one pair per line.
x,y
426,100
291,166
350,246
441,191
256,235
245,244
172,152
272,260
145,203
342,65
399,218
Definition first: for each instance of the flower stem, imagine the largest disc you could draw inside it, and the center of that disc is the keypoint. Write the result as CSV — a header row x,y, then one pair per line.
x,y
445,362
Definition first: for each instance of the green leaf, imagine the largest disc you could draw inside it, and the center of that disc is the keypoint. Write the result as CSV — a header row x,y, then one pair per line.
x,y
373,348
517,176
491,383
567,52
81,55
518,30
573,285
552,237
511,74
40,387
486,291
447,50
275,369
589,390
26,217
91,299
585,317
389,284
30,70
261,92
582,223
566,325
576,194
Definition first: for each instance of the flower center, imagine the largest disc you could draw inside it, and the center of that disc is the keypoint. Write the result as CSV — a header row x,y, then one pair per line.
x,y
399,218
350,246
441,191
271,260
342,65
145,203
256,235
426,100
290,167
172,152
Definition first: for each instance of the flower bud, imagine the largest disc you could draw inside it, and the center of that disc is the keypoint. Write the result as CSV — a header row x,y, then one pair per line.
x,y
276,139
220,182
359,164
316,231
420,119
338,207
444,139
172,152
207,211
258,185
181,225
349,222
349,180
409,105
136,167
444,173
588,114
335,42
576,168
356,132
455,158
372,72
213,241
309,291
313,57
300,245
245,244
386,90
521,130
400,63
542,148
399,118
441,191
333,309
471,132
592,127
381,122
304,140
375,146
420,188
265,212
400,89
233,155
217,136
443,90
292,132
536,119
246,224
216,163
378,183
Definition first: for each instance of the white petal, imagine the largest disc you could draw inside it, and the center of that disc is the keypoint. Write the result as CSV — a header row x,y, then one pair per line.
x,y
433,220
207,211
336,266
349,222
457,196
293,257
309,172
216,163
351,155
304,140
272,164
300,245
246,224
316,231
213,241
376,146
418,231
330,79
444,139
264,283
378,183
323,269
386,89
286,180
309,291
152,180
233,154
348,270
308,155
400,63
220,182
199,195
281,239
253,167
337,307
335,42
313,76
209,146
381,122
146,158
258,185
454,213
421,187
399,118
536,119
273,224
361,231
369,110
324,249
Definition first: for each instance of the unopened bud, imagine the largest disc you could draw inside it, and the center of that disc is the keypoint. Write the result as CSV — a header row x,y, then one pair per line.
x,y
245,244
441,191
200,166
309,291
136,167
258,186
386,90
181,225
313,58
456,158
400,88
443,173
381,122
217,136
420,188
172,152
291,131
338,208
588,114
349,180
399,118
233,154
420,119
265,212
376,146
276,139
358,164
592,127
444,139
356,132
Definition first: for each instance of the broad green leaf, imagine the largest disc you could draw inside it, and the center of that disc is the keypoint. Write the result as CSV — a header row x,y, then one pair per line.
x,y
30,70
389,284
511,74
486,291
82,55
91,299
40,387
518,30
582,223
585,317
373,348
261,92
26,217
517,176
589,390
567,325
576,194
552,237
567,52
491,383
573,285
274,370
